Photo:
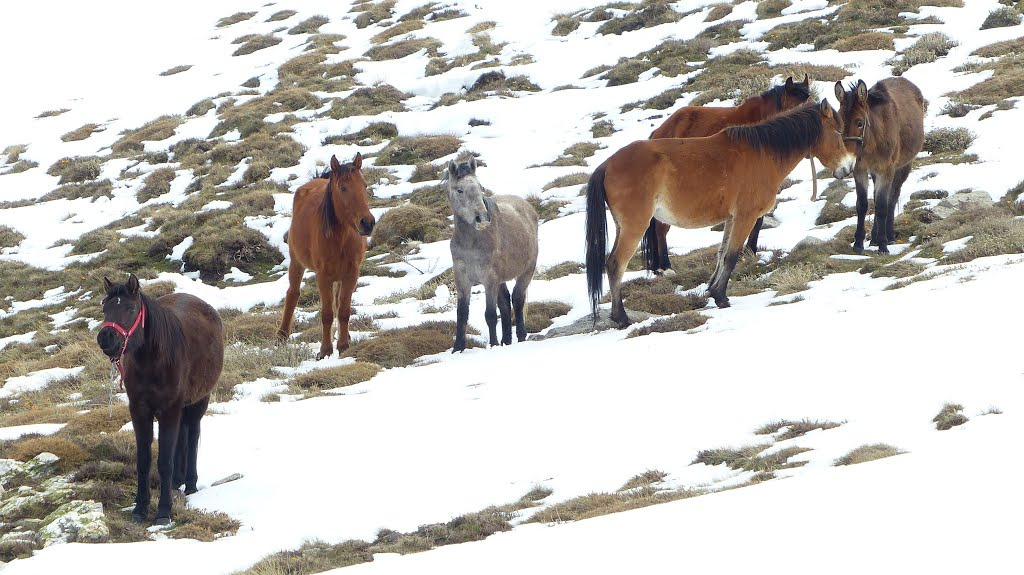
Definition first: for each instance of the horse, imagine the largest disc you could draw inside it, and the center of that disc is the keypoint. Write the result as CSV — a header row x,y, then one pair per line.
x,y
732,177
330,222
884,126
699,121
494,241
170,359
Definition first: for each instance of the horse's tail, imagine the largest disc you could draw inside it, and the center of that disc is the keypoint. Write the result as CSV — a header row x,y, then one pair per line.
x,y
597,237
651,247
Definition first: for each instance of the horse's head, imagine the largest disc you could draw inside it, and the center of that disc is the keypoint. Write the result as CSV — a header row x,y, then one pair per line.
x,y
794,94
830,147
466,196
123,315
347,187
854,109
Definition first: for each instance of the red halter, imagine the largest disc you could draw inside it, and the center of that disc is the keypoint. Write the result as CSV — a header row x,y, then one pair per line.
x,y
140,321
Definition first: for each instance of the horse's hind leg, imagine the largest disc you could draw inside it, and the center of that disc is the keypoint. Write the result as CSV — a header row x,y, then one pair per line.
x,y
180,455
491,311
190,419
894,194
627,239
860,179
519,303
720,258
752,238
505,311
295,271
665,264
142,422
733,248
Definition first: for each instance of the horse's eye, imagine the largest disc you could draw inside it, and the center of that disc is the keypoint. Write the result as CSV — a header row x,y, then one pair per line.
x,y
459,190
860,123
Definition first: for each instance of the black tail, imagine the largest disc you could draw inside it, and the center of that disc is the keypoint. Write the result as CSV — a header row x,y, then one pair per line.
x,y
597,237
650,247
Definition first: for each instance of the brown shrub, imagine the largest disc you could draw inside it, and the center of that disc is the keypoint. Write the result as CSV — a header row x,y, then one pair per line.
x,y
335,377
409,222
97,420
683,321
540,313
70,453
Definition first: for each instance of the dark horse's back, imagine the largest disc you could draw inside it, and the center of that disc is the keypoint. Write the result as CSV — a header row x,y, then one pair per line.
x,y
203,334
902,111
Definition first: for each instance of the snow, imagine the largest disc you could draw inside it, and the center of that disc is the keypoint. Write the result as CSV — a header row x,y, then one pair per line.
x,y
578,414
36,380
15,431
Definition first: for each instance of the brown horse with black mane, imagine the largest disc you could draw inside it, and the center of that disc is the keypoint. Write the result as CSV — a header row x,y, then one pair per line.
x,y
885,128
330,221
170,352
732,177
701,121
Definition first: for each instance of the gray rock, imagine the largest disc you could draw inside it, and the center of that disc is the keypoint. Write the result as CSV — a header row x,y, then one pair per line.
x,y
808,242
586,324
8,469
770,221
232,477
961,200
42,465
75,521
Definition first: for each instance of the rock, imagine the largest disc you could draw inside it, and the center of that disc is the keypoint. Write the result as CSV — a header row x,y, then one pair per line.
x,y
808,242
232,477
961,200
8,469
770,221
75,521
41,465
586,324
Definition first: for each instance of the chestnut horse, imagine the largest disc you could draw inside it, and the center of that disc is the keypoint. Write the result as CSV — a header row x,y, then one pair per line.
x,y
330,221
732,177
170,352
885,127
700,121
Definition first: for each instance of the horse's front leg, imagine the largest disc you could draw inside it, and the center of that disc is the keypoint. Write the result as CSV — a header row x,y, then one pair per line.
x,y
732,245
860,180
505,311
192,416
326,287
519,303
462,289
491,291
169,421
879,229
344,305
142,422
291,298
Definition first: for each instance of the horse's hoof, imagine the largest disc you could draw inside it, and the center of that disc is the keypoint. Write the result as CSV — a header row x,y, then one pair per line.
x,y
138,517
162,520
723,303
191,490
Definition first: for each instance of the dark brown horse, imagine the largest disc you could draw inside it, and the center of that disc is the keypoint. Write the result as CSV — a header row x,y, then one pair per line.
x,y
884,126
700,121
732,177
170,352
330,222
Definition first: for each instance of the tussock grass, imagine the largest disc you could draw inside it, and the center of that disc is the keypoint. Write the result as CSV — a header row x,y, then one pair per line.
x,y
334,377
70,453
369,102
176,70
546,210
401,347
157,183
410,222
573,179
869,452
311,71
792,279
560,270
234,18
928,48
1002,17
490,83
718,11
200,108
98,420
682,321
485,48
76,169
402,48
833,209
1007,81
575,155
771,8
645,479
597,504
671,57
246,363
748,458
373,12
945,140
794,428
646,14
744,73
540,313
374,133
418,13
950,416
403,27
865,41
130,142
52,113
658,296
9,237
994,231
89,190
249,328
416,150
897,269
281,15
254,43
1004,48
310,25
81,133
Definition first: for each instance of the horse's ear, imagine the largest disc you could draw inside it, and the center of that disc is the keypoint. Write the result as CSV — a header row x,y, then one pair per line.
x,y
840,92
453,171
107,284
789,83
335,165
862,91
807,81
133,284
357,162
826,108
472,164
492,207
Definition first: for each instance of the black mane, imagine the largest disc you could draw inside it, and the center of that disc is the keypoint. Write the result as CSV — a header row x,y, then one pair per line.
x,y
794,131
162,330
776,92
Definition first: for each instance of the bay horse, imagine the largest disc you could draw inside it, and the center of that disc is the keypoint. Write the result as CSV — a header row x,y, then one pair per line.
x,y
169,358
700,121
330,222
732,177
884,126
494,241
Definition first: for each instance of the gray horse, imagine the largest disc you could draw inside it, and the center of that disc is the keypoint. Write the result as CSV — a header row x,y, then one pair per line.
x,y
495,240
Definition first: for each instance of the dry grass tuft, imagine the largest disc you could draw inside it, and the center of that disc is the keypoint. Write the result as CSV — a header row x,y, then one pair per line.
x,y
683,321
369,102
70,453
409,222
865,41
10,237
157,183
928,48
335,377
81,133
97,420
417,150
646,14
310,25
155,130
402,48
234,18
401,347
1007,81
950,416
771,8
794,428
373,12
255,42
645,479
1002,17
540,313
176,70
560,270
868,453
76,169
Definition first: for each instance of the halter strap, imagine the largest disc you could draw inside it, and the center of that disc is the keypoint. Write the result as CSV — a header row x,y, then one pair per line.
x,y
140,321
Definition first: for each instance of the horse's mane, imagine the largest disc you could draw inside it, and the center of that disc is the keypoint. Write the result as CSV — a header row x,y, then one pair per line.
x,y
328,217
789,132
776,92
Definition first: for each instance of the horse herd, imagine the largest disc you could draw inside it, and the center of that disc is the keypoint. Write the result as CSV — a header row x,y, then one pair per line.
x,y
702,167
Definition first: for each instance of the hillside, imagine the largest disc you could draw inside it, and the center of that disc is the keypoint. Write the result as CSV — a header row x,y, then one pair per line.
x,y
169,144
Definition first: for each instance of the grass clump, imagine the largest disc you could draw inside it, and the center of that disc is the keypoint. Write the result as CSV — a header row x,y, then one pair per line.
x,y
89,190
946,140
833,209
157,183
865,41
76,169
281,15
868,452
397,30
1004,48
155,130
409,222
749,458
373,12
645,479
644,15
254,42
310,25
369,102
9,237
417,150
575,155
401,347
335,377
234,19
176,70
928,48
658,296
771,8
597,504
671,58
81,133
950,416
573,179
560,270
682,321
540,313
485,48
374,133
794,429
1007,81
71,454
52,113
1002,17
402,48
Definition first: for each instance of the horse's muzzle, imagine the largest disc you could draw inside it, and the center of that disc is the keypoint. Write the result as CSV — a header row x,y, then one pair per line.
x,y
366,226
110,343
482,221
